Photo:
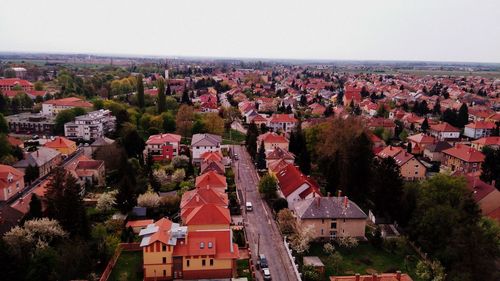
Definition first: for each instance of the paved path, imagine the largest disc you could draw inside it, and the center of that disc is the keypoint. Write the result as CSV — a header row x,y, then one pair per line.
x,y
260,221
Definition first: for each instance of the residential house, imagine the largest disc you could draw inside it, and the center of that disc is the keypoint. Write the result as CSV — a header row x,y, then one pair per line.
x,y
434,152
11,182
162,146
444,132
201,143
62,144
282,122
31,123
410,167
138,225
258,119
212,166
101,142
462,158
53,107
419,142
272,140
278,154
479,129
212,180
485,195
12,84
91,126
493,142
87,171
295,186
45,159
200,196
383,123
9,218
331,217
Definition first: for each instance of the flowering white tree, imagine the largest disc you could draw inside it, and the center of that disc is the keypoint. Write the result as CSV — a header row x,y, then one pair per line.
x,y
178,175
329,248
301,240
161,176
106,201
180,161
347,242
149,199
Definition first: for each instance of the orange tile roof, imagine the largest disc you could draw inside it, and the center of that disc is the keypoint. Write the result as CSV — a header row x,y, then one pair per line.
x,y
422,138
208,214
465,153
200,196
481,125
290,179
5,170
271,137
60,142
163,138
390,151
211,156
488,141
444,127
282,118
139,223
211,179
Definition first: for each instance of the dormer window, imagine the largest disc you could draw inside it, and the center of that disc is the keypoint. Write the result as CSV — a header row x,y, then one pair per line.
x,y
210,245
202,245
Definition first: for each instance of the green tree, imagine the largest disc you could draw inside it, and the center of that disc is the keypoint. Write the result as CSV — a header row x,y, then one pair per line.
x,y
35,210
140,91
251,139
463,116
132,141
261,157
425,125
4,129
185,97
9,73
387,186
31,173
268,186
38,86
491,166
161,95
4,103
65,203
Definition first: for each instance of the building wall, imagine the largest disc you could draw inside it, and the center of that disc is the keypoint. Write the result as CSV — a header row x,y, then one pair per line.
x,y
270,146
153,260
14,187
413,170
294,196
490,202
221,268
208,227
344,228
199,150
456,164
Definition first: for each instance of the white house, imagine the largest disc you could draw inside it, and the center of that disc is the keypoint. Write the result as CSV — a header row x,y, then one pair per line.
x,y
201,143
479,129
90,126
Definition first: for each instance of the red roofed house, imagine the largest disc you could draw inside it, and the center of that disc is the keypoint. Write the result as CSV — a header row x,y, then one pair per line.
x,y
463,158
493,142
201,196
352,94
62,144
272,140
138,225
11,84
162,146
444,131
213,180
295,186
419,142
410,167
11,181
479,129
53,107
282,122
485,195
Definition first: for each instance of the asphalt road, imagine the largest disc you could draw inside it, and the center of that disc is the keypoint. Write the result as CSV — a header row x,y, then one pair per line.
x,y
260,222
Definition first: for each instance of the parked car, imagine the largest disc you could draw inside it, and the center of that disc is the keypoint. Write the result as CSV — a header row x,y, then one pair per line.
x,y
266,273
249,206
236,156
262,262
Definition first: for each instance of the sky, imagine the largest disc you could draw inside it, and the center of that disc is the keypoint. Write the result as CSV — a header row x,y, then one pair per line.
x,y
421,30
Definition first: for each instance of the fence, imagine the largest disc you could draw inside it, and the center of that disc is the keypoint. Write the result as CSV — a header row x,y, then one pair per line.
x,y
292,259
112,262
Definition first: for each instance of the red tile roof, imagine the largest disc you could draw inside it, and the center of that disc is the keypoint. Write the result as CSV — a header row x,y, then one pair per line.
x,y
390,151
465,153
208,214
15,81
283,118
222,245
212,180
139,223
380,277
481,125
200,196
271,137
444,127
488,141
72,101
60,142
5,170
163,138
422,138
290,179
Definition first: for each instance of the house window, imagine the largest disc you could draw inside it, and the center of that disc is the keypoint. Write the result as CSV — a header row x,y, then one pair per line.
x,y
211,262
322,231
203,262
164,260
333,225
333,234
322,220
164,248
210,245
202,245
187,263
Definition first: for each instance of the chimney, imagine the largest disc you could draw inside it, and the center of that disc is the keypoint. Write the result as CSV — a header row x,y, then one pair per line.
x,y
345,201
398,275
339,193
357,276
374,277
390,147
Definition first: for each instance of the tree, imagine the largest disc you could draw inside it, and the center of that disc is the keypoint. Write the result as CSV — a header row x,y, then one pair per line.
x,y
213,123
161,95
491,166
287,222
31,173
106,201
140,91
66,116
280,204
437,108
387,186
261,157
425,125
300,240
4,103
126,197
268,186
35,209
38,86
251,139
149,199
184,120
132,142
65,203
430,271
178,175
4,129
185,99
309,273
463,116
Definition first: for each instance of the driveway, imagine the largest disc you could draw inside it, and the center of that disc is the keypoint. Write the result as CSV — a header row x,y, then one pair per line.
x,y
259,222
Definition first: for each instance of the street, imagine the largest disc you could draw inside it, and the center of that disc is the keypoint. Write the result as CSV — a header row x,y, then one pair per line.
x,y
260,222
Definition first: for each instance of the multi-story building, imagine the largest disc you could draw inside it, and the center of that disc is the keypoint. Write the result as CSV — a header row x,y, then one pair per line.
x,y
11,84
62,144
162,146
201,143
282,122
462,158
31,123
331,217
11,182
53,107
45,159
444,132
479,129
272,140
91,126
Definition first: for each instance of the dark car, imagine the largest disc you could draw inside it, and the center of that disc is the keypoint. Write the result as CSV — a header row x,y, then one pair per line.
x,y
262,262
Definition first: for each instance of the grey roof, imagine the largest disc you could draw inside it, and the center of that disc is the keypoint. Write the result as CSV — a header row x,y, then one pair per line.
x,y
438,147
206,140
38,158
328,208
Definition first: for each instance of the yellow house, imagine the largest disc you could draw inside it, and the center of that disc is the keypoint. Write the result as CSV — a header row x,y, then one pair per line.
x,y
331,217
410,168
62,144
272,140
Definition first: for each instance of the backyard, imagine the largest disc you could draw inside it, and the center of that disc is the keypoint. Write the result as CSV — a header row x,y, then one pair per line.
x,y
128,267
366,259
243,269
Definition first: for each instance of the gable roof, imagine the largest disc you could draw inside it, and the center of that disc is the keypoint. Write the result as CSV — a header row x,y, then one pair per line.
x,y
207,214
279,153
328,208
481,125
206,140
272,137
282,118
60,142
290,179
71,101
9,171
465,153
38,158
390,151
444,127
163,138
211,179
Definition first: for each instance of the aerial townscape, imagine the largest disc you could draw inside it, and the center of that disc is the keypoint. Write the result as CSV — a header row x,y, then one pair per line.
x,y
126,167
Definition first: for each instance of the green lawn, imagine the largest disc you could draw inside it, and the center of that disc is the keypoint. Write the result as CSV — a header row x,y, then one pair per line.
x,y
234,137
243,269
365,259
129,264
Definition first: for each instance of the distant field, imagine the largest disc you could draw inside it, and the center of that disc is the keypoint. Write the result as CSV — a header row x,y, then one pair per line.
x,y
486,74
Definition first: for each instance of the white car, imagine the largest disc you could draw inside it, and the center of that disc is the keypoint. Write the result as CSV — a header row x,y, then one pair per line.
x,y
266,273
249,206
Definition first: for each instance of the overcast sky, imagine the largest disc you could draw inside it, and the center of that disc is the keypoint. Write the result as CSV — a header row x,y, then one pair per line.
x,y
430,30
